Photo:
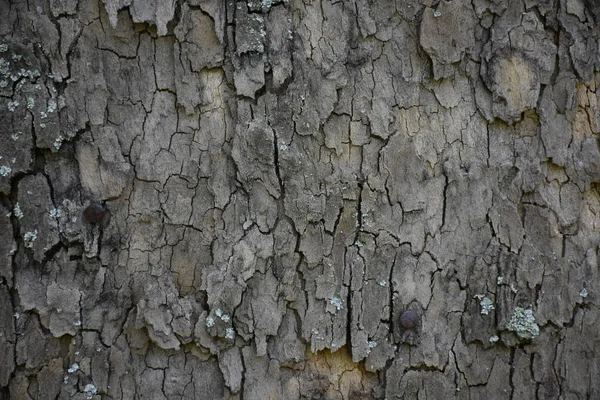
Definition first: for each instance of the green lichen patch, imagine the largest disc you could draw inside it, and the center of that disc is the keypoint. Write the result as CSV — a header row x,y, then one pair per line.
x,y
485,303
522,322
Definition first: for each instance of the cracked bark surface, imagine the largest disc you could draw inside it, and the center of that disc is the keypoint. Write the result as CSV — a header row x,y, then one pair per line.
x,y
275,182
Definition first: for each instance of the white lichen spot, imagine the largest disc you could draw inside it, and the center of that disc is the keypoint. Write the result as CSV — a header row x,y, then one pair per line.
x,y
17,315
17,212
51,106
499,280
522,322
283,147
494,339
73,368
58,142
218,312
77,323
5,170
17,57
30,103
583,293
4,67
485,303
12,105
3,48
383,283
90,390
29,238
55,213
15,136
32,74
370,346
3,83
437,13
229,333
210,322
337,303
225,318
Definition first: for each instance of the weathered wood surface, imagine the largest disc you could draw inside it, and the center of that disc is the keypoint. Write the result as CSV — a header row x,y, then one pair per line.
x,y
272,183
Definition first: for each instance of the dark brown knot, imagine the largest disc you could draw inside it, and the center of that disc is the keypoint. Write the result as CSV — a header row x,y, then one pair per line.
x,y
409,319
94,213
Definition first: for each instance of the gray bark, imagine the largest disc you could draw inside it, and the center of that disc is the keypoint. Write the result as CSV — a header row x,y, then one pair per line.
x,y
208,199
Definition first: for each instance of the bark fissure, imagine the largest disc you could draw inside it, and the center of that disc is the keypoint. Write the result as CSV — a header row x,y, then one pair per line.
x,y
276,182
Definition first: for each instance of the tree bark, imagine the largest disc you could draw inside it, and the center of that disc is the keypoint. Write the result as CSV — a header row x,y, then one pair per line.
x,y
299,199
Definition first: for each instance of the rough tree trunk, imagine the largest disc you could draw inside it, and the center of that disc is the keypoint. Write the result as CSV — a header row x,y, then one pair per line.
x,y
211,199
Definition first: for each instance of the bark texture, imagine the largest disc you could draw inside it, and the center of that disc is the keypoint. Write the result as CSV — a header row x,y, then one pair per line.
x,y
210,199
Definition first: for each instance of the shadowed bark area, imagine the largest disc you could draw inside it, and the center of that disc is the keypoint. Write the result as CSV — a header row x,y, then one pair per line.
x,y
299,199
